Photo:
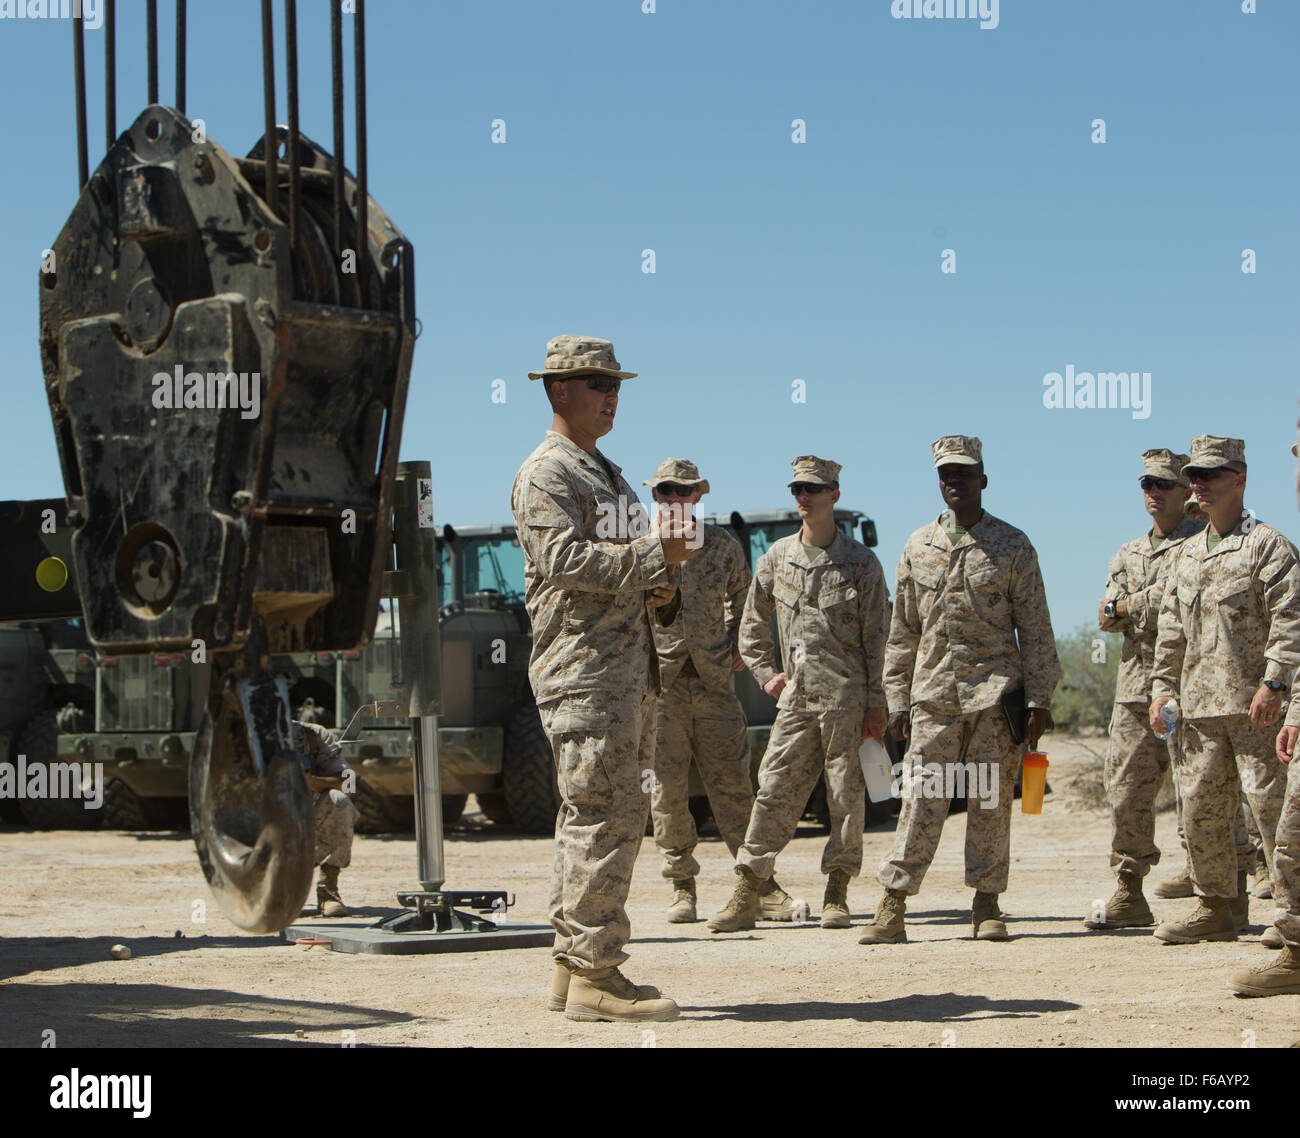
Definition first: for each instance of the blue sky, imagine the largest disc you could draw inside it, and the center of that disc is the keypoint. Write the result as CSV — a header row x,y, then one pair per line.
x,y
778,261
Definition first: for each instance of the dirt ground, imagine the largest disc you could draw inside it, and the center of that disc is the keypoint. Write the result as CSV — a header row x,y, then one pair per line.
x,y
67,897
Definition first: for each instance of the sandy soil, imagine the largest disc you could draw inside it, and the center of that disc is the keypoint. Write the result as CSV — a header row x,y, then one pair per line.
x,y
66,897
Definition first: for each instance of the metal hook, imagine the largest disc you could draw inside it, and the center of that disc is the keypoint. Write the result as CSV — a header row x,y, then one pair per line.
x,y
251,812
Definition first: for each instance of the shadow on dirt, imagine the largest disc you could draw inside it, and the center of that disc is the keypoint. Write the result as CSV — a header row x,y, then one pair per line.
x,y
154,1015
948,1007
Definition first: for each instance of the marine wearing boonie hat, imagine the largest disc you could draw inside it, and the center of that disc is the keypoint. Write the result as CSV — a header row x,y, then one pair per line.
x,y
960,450
570,356
680,473
1212,451
1164,464
808,468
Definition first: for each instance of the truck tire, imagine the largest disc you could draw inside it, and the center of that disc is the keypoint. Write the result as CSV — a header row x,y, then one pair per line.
x,y
494,808
123,808
528,774
374,817
9,810
39,742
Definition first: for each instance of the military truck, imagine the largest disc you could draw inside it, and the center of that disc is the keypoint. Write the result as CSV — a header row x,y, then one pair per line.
x,y
137,716
46,685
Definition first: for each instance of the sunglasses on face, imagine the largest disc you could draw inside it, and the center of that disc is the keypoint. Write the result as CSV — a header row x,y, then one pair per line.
x,y
1198,474
806,488
605,384
672,490
1157,484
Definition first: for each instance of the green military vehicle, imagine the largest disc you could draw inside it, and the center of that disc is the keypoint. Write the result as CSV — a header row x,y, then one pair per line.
x,y
138,715
47,679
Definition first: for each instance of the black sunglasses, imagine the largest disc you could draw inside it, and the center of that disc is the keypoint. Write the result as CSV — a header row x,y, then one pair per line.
x,y
605,384
807,488
672,490
1202,474
1157,484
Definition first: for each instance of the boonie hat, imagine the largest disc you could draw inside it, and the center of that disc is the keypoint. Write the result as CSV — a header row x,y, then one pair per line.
x,y
572,356
680,472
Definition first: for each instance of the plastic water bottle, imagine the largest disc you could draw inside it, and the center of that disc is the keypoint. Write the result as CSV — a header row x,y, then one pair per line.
x,y
1169,716
875,769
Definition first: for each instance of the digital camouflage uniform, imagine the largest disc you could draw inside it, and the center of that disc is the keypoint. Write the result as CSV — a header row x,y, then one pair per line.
x,y
1229,620
952,655
1286,851
832,617
336,816
1136,760
589,559
699,714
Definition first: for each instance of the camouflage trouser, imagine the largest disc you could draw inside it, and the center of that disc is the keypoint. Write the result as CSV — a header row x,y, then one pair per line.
x,y
694,720
1136,762
1286,860
1226,756
1245,833
335,819
945,738
603,743
801,746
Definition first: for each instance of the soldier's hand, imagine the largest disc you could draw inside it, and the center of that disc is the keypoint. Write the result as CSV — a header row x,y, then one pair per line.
x,y
1035,725
660,595
1266,706
900,725
1103,621
774,686
1286,743
1153,713
680,540
737,661
875,724
316,784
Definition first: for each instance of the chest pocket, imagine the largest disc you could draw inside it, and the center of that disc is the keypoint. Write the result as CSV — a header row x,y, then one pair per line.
x,y
928,577
786,590
1235,610
987,584
839,604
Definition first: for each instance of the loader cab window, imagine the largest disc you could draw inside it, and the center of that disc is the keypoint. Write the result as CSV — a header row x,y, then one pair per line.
x,y
444,574
495,565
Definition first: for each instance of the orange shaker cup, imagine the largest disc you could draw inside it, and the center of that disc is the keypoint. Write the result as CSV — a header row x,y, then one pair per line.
x,y
1033,782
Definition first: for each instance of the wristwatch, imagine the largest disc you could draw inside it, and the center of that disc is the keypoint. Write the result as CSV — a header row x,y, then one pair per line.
x,y
1275,685
1109,609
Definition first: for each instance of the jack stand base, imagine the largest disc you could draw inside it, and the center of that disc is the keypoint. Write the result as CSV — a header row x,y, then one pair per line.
x,y
429,923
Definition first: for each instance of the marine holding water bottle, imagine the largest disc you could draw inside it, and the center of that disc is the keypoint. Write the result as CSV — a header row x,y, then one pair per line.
x,y
1228,641
1136,758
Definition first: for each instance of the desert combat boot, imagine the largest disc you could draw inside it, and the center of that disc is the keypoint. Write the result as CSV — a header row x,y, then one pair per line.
x,y
561,978
835,903
1211,920
887,927
774,903
681,911
743,908
1173,887
1280,977
986,918
327,893
1240,904
1263,888
606,995
1127,909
